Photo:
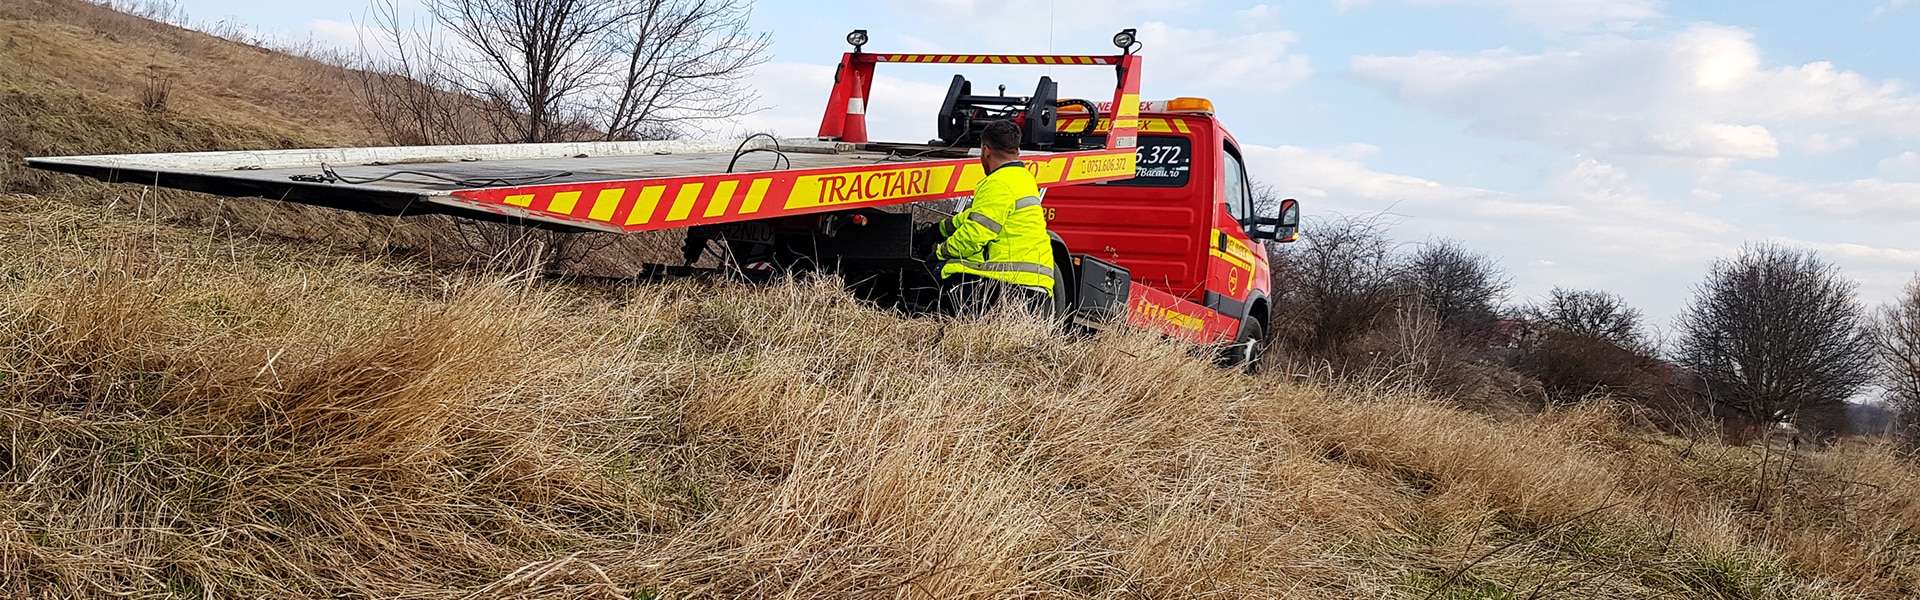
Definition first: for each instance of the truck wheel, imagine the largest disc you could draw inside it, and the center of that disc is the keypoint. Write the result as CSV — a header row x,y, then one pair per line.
x,y
1248,347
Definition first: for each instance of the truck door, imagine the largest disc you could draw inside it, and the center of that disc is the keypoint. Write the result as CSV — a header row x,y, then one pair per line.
x,y
1234,270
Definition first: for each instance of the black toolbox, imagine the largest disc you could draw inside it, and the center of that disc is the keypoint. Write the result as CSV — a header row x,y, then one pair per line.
x,y
1103,292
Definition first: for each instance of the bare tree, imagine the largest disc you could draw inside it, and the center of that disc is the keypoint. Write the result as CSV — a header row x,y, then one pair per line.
x,y
1592,314
1460,287
1335,285
534,71
405,85
1587,342
1777,336
555,70
1897,350
1266,199
685,63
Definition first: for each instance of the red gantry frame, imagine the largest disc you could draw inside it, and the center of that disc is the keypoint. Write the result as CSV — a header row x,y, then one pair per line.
x,y
635,205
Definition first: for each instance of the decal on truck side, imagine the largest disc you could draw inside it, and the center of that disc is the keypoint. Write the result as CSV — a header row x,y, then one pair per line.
x,y
1163,313
1096,167
871,186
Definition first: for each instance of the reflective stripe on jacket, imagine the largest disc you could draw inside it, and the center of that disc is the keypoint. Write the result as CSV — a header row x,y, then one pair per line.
x,y
1002,235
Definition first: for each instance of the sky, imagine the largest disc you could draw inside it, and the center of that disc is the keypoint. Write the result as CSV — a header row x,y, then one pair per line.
x,y
1621,145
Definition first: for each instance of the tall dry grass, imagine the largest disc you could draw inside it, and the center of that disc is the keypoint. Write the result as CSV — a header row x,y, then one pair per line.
x,y
198,412
195,403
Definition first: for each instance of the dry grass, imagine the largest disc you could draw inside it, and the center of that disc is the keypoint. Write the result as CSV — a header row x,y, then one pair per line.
x,y
193,406
200,413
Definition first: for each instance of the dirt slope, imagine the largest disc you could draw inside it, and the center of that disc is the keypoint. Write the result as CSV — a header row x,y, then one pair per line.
x,y
73,47
72,77
189,408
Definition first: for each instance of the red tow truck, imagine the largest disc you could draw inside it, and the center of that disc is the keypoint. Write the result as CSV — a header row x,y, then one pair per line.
x,y
1185,228
1149,202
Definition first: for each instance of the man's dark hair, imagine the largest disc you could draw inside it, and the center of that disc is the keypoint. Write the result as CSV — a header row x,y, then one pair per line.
x,y
1001,136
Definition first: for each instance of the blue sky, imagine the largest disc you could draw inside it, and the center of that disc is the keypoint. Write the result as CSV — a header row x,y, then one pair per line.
x,y
1613,144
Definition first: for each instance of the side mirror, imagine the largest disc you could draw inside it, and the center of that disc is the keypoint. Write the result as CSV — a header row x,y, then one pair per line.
x,y
1282,228
1288,229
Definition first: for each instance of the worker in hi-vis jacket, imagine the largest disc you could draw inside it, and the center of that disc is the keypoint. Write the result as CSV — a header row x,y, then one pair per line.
x,y
997,250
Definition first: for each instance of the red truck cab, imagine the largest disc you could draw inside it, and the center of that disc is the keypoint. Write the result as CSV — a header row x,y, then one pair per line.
x,y
1184,227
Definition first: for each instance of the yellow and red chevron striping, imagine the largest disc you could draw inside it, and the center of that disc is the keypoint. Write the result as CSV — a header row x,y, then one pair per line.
x,y
663,203
643,202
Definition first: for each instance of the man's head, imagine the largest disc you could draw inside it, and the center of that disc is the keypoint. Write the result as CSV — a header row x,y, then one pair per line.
x,y
1001,140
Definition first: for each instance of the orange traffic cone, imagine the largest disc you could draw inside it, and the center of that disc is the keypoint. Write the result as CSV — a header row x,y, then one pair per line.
x,y
856,128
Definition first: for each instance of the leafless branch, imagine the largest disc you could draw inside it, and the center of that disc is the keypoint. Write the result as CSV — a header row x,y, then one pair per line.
x,y
1897,354
1462,288
1777,335
557,70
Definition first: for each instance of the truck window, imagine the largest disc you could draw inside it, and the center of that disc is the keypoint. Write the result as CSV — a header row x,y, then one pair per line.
x,y
1161,161
1235,176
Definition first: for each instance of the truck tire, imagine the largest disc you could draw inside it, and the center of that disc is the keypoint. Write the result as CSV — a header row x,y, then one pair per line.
x,y
1063,284
1248,348
1062,305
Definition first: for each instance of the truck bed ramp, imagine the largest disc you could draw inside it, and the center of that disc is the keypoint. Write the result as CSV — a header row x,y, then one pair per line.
x,y
620,187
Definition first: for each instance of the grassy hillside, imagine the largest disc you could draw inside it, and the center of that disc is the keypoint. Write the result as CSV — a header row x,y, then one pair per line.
x,y
189,412
72,80
70,49
192,408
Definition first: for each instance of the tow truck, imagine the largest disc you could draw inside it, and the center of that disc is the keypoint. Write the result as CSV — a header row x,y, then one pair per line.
x,y
1148,202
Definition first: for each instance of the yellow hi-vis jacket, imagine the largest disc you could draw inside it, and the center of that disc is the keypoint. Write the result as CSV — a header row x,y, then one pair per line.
x,y
1002,235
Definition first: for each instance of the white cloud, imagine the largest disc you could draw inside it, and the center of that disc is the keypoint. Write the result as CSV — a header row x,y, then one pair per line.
x,y
1178,57
1865,252
1589,210
1904,166
1558,15
1592,224
1715,140
339,34
1340,182
1180,62
1868,206
999,10
1700,94
1254,61
1890,6
1259,13
1881,271
1823,143
910,43
1865,226
794,96
1024,26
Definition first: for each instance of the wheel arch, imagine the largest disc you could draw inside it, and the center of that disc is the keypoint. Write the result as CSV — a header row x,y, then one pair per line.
x,y
1065,283
1260,309
1062,259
